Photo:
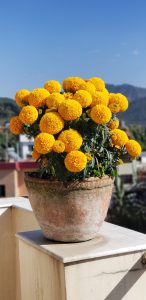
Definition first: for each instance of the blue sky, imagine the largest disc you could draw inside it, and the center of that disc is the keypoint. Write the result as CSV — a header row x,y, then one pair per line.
x,y
42,40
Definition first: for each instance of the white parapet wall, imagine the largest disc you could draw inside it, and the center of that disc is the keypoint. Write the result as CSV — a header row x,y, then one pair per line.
x,y
109,267
15,216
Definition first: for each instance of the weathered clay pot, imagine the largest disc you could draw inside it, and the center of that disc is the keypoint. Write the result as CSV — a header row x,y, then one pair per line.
x,y
70,212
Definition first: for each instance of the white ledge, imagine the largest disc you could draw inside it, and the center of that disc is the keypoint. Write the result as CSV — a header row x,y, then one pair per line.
x,y
112,240
20,202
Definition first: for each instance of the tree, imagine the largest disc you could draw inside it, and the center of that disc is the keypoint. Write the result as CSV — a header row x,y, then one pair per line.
x,y
139,133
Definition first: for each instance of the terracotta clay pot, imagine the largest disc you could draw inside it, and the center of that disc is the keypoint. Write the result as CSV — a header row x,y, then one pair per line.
x,y
70,212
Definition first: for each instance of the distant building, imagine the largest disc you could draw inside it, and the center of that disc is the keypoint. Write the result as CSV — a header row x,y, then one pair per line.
x,y
25,146
143,157
12,177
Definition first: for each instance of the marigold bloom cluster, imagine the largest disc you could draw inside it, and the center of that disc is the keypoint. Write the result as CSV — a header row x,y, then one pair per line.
x,y
75,161
119,137
100,97
43,143
71,139
35,154
75,127
53,86
28,114
54,100
72,84
70,110
133,148
21,97
59,147
89,87
51,122
16,126
114,124
100,114
98,83
38,97
83,97
117,102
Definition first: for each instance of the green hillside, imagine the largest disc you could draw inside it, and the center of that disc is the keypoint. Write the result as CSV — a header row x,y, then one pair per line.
x,y
136,113
8,108
130,91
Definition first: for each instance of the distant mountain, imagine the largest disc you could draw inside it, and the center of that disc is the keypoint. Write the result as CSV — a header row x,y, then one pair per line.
x,y
136,113
8,108
130,91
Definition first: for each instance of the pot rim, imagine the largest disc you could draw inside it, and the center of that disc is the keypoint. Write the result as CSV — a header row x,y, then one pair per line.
x,y
91,182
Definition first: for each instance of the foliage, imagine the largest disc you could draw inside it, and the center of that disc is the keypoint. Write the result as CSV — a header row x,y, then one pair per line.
x,y
7,139
128,207
86,128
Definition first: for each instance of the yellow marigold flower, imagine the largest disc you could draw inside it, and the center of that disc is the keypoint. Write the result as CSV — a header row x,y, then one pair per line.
x,y
88,155
114,124
16,126
58,146
43,143
53,86
38,97
118,147
21,97
100,98
71,138
105,91
120,162
72,84
98,83
133,148
28,114
114,107
35,154
89,87
68,95
100,114
123,102
54,100
83,97
51,122
70,110
119,137
75,161
117,102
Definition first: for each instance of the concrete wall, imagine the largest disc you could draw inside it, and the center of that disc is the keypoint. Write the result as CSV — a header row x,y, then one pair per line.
x,y
12,177
12,220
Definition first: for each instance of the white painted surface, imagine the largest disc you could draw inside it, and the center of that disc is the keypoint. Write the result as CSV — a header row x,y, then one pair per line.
x,y
111,240
106,268
19,202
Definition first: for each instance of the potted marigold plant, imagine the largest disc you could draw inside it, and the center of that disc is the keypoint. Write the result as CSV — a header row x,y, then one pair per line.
x,y
78,146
